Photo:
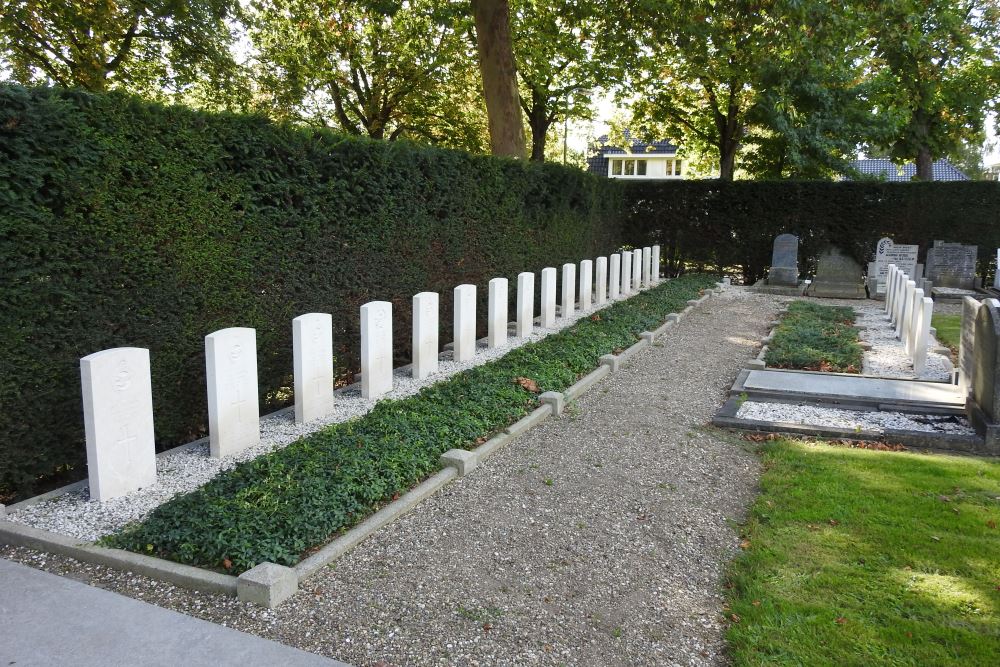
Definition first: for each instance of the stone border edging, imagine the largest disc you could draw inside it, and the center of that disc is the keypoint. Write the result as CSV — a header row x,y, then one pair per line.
x,y
269,584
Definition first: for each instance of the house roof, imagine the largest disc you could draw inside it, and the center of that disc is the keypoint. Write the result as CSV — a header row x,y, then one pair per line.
x,y
661,147
887,169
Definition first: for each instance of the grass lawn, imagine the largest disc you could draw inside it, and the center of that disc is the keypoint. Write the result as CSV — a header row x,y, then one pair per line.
x,y
860,557
949,330
813,337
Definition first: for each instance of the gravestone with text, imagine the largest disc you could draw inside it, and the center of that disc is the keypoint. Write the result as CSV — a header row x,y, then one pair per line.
x,y
904,256
783,274
838,276
951,265
233,407
425,334
312,360
967,343
118,421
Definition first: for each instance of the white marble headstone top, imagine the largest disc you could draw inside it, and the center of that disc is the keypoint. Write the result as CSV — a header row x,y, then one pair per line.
x,y
425,334
655,264
586,284
496,335
626,286
525,303
601,270
312,352
568,302
376,349
614,276
465,322
548,316
118,419
647,266
637,269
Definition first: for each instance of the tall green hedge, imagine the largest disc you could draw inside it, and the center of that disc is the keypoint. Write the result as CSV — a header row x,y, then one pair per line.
x,y
733,225
129,223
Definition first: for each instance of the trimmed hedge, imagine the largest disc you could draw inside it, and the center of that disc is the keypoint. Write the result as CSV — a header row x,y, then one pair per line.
x,y
816,338
279,505
718,225
124,222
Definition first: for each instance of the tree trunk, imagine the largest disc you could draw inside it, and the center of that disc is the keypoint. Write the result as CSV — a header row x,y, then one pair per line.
x,y
727,159
925,164
496,63
539,123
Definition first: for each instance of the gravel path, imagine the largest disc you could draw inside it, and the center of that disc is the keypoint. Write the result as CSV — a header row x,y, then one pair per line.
x,y
598,538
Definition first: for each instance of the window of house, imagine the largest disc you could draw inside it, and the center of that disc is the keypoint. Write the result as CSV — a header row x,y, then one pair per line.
x,y
677,167
640,167
616,167
630,167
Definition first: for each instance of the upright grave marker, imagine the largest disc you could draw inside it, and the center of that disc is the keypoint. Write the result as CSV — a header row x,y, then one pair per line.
x,y
905,306
636,270
922,334
376,349
118,421
967,343
655,261
497,311
586,284
568,302
784,269
910,330
888,253
614,276
647,267
996,275
626,284
426,334
837,276
952,265
233,410
602,280
548,318
312,352
986,375
465,323
525,303
889,284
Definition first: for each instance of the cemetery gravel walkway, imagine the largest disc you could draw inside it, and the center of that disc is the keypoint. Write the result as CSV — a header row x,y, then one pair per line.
x,y
598,538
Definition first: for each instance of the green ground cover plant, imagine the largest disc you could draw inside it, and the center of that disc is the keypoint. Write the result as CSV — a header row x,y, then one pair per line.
x,y
814,337
949,330
278,506
861,557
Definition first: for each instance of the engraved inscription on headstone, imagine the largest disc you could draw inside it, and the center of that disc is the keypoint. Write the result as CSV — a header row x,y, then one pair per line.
x,y
231,371
465,323
376,349
886,252
837,276
118,420
312,352
952,265
425,334
967,343
784,261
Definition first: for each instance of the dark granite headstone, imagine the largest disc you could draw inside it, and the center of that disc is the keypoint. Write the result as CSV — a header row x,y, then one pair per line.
x,y
784,261
838,276
952,265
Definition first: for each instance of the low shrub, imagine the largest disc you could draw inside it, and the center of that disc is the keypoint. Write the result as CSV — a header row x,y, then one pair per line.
x,y
813,337
279,505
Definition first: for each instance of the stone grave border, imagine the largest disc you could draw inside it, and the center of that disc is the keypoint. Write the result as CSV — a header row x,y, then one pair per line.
x,y
269,584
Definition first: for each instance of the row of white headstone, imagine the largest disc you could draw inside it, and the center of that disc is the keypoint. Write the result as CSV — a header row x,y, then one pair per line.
x,y
117,387
910,311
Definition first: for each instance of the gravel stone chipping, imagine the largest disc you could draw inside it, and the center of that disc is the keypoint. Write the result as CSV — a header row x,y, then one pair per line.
x,y
188,468
874,422
598,538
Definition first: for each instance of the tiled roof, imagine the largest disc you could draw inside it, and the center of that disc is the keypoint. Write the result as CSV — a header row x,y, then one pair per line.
x,y
651,148
887,169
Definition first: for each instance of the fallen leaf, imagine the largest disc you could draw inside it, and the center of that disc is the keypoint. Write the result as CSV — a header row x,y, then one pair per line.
x,y
745,544
595,318
944,499
487,627
527,383
226,563
756,603
834,522
841,620
991,524
910,635
735,618
935,538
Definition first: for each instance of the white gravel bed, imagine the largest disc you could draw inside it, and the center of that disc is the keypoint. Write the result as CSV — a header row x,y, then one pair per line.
x,y
860,420
183,471
888,357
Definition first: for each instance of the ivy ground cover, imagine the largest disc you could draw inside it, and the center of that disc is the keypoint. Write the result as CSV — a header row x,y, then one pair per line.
x,y
813,337
278,506
861,557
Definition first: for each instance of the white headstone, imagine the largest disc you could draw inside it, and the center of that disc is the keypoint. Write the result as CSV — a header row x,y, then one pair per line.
x,y
233,410
886,253
312,353
548,307
497,313
907,305
637,269
525,303
614,276
996,276
910,330
118,419
602,280
647,267
655,262
922,335
890,277
465,323
426,334
376,349
586,284
568,290
626,286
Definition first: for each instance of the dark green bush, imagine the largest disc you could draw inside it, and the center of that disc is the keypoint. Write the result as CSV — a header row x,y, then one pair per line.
x,y
279,505
129,223
732,225
816,338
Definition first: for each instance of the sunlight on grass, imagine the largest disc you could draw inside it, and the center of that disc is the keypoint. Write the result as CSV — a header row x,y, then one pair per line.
x,y
858,557
949,329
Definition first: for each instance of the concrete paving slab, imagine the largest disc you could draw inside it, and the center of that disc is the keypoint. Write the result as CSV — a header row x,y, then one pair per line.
x,y
847,387
50,620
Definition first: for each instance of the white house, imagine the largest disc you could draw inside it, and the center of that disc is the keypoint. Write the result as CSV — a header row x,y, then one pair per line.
x,y
651,161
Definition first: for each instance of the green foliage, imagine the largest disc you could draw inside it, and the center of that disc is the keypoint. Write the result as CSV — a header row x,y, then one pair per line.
x,y
720,225
127,223
816,338
279,505
858,557
949,329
